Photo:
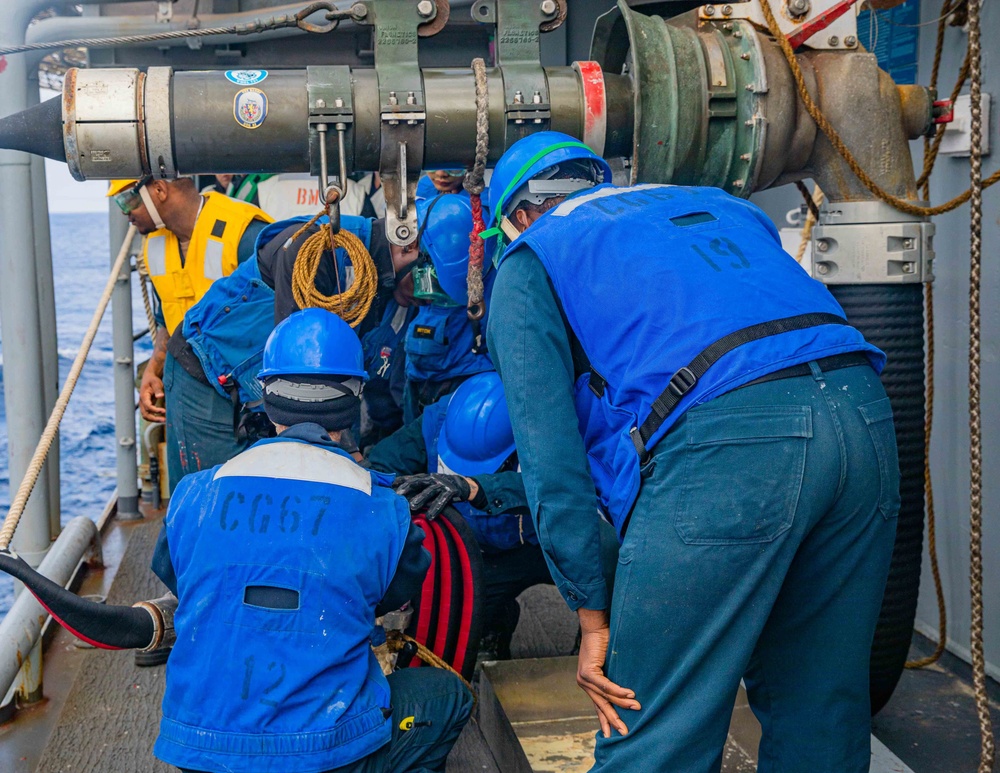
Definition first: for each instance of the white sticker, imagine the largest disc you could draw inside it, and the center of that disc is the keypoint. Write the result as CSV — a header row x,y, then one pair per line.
x,y
246,77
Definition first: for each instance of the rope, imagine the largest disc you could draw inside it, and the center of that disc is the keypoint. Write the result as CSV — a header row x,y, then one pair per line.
x,y
929,491
975,419
838,144
930,157
353,304
396,640
52,426
475,186
811,217
140,268
249,28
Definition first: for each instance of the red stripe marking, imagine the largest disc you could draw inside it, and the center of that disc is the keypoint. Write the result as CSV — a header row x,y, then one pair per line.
x,y
594,101
444,611
70,628
467,598
427,590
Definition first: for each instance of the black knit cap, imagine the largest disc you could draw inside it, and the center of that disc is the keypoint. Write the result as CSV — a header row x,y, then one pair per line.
x,y
335,414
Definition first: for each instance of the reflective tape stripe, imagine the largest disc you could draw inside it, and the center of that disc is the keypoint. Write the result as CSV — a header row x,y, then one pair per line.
x,y
213,259
297,461
156,255
570,204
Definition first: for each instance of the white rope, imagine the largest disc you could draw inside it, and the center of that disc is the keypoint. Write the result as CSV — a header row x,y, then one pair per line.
x,y
52,427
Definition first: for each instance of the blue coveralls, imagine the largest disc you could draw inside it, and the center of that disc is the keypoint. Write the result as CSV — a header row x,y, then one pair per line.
x,y
440,353
757,535
281,559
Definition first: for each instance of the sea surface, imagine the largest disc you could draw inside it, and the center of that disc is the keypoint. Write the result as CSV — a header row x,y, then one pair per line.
x,y
81,263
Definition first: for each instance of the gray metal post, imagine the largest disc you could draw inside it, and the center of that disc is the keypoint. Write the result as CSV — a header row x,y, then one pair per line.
x,y
24,385
124,353
46,318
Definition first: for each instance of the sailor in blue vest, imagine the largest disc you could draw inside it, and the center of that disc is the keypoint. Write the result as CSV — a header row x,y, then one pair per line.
x,y
382,329
281,559
665,359
443,346
461,451
216,353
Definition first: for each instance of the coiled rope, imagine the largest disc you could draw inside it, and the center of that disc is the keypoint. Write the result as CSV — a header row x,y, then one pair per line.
x,y
52,426
824,125
351,305
475,186
397,640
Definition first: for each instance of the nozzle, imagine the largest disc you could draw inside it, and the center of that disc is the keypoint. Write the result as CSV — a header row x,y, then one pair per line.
x,y
36,130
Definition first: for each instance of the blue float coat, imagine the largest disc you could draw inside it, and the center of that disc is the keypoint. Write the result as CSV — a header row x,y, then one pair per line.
x,y
290,688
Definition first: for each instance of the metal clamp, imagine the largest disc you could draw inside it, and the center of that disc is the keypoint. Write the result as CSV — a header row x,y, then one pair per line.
x,y
871,243
330,105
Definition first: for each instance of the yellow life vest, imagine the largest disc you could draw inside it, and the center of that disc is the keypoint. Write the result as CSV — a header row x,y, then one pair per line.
x,y
211,254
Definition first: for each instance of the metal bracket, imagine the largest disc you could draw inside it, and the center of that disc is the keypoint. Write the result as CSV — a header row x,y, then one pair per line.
x,y
871,243
519,26
402,107
834,27
331,108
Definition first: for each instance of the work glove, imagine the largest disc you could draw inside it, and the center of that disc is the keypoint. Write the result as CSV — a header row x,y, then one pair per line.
x,y
432,492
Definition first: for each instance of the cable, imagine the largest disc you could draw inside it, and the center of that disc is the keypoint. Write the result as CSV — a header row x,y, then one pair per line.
x,y
249,28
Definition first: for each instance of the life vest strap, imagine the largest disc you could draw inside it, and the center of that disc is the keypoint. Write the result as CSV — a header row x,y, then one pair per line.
x,y
685,379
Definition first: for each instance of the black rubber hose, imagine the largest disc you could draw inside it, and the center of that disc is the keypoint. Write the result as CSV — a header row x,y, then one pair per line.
x,y
892,318
104,626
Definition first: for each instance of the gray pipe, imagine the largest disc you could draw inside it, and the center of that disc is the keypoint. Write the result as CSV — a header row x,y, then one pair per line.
x,y
20,629
124,374
24,383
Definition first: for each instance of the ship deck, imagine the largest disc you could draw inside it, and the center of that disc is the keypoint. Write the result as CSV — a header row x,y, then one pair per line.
x,y
101,711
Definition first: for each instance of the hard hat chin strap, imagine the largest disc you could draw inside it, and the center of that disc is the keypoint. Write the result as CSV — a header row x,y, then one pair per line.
x,y
151,208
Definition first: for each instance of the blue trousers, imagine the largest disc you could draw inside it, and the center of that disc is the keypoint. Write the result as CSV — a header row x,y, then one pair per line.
x,y
758,549
429,709
199,424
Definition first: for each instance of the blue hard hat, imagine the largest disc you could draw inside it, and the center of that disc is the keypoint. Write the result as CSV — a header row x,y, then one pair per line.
x,y
313,342
446,222
476,437
529,158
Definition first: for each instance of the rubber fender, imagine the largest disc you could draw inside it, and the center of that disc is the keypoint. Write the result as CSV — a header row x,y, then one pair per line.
x,y
892,318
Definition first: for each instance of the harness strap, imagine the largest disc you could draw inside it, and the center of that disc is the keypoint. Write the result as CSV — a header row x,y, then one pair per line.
x,y
684,380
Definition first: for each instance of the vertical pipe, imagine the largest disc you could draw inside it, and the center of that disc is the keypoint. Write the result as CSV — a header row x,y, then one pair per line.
x,y
124,374
47,319
24,386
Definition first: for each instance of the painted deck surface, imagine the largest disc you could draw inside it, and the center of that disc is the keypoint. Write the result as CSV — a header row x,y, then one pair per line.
x,y
111,713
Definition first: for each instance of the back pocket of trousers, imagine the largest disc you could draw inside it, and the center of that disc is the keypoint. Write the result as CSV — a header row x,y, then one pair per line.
x,y
878,417
742,473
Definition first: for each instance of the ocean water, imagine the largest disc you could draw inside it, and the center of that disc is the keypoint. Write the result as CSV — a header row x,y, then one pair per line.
x,y
80,258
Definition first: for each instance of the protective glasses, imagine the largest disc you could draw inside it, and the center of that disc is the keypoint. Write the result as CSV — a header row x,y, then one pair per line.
x,y
129,199
426,286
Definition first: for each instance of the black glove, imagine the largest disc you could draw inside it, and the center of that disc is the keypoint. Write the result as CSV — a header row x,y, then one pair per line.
x,y
432,493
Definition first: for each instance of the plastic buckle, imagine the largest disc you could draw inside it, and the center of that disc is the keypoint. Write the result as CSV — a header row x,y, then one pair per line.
x,y
640,447
682,382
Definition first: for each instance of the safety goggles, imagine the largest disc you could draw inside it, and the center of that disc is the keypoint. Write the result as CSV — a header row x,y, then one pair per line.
x,y
426,286
129,199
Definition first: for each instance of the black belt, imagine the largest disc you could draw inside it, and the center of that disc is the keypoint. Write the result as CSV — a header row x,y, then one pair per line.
x,y
181,350
836,362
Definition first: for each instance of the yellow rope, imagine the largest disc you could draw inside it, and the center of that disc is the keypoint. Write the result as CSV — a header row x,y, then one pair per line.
x,y
52,427
396,640
353,304
807,227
